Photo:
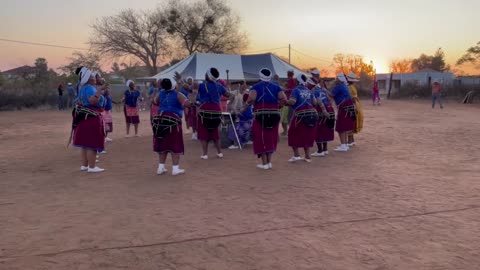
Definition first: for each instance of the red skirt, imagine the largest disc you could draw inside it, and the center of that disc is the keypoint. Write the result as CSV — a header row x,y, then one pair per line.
x,y
173,141
299,134
205,134
108,121
264,140
131,115
90,134
324,133
191,116
344,122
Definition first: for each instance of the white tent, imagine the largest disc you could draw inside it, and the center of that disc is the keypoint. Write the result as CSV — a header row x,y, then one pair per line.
x,y
240,67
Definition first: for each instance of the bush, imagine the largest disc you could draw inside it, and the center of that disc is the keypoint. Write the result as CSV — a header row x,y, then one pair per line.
x,y
415,91
19,94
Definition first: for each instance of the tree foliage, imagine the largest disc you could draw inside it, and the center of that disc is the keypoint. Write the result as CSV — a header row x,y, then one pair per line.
x,y
401,66
435,62
204,26
347,63
471,56
90,60
41,69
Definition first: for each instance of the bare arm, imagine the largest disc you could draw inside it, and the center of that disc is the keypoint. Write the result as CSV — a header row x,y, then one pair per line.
x,y
184,101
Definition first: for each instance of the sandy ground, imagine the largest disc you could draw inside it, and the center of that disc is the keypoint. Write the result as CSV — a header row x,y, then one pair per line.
x,y
407,197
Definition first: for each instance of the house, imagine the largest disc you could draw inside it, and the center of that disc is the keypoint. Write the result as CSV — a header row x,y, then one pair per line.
x,y
423,77
26,72
468,81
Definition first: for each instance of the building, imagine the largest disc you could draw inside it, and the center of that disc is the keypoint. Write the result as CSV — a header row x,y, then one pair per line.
x,y
468,81
25,72
423,77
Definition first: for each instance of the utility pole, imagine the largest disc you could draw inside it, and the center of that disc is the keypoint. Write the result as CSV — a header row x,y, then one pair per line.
x,y
289,49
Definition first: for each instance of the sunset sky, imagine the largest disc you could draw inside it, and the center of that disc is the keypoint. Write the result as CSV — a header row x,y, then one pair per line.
x,y
379,30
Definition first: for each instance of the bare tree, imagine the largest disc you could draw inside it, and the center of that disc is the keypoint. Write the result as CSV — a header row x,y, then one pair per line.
x,y
205,26
131,33
352,63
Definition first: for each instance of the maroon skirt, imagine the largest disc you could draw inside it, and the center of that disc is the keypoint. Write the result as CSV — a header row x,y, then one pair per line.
x,y
90,134
131,115
264,140
299,134
205,134
325,133
172,142
191,117
344,123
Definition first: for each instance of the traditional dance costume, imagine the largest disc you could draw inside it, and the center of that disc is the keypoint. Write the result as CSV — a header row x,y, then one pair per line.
x,y
107,113
358,107
154,106
267,118
326,125
243,126
301,132
209,111
346,115
89,132
167,125
286,110
131,108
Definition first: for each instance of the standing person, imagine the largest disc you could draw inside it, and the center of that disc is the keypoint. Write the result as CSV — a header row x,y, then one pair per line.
x,y
130,98
266,98
60,97
167,126
326,125
301,132
376,94
352,79
286,110
71,95
243,125
209,111
346,114
191,111
152,97
437,94
224,99
88,123
107,113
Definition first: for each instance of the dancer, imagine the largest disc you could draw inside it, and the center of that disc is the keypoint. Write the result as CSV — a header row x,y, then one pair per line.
x,y
209,111
153,98
107,112
190,112
167,126
352,79
88,123
265,97
326,125
375,94
130,98
301,132
346,114
286,110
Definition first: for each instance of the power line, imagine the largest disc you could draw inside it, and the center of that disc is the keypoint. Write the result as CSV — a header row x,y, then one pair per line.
x,y
267,50
318,59
42,44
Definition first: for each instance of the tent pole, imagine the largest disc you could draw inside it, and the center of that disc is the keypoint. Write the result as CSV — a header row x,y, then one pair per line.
x,y
289,50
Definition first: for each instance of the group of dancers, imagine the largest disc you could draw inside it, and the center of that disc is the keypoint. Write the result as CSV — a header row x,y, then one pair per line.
x,y
304,107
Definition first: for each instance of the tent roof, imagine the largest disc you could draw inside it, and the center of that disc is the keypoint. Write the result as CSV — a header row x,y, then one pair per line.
x,y
240,67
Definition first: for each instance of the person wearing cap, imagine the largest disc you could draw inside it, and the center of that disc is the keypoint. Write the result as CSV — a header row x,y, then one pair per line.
x,y
346,114
210,112
131,96
71,95
301,131
286,110
89,132
325,132
352,79
266,98
169,124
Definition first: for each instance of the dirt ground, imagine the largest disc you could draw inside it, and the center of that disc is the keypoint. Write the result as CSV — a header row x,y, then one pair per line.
x,y
407,197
